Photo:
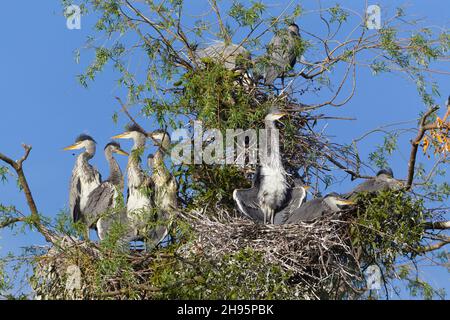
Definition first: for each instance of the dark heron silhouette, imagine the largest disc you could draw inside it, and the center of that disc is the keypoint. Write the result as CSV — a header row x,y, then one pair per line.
x,y
282,53
85,178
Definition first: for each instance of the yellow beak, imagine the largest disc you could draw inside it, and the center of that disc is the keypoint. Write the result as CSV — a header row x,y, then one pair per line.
x,y
280,115
121,136
120,151
306,187
72,147
346,202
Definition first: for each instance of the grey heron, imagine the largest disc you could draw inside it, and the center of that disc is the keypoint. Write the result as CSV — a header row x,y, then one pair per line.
x,y
269,190
139,203
384,180
85,178
282,53
273,183
319,207
232,56
107,195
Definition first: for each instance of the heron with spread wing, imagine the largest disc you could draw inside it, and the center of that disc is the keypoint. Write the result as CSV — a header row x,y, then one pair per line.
x,y
270,186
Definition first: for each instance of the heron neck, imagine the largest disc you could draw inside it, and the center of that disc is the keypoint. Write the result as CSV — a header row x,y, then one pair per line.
x,y
88,153
273,157
331,204
115,174
139,142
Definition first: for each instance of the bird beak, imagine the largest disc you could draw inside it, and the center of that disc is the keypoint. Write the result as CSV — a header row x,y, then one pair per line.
x,y
120,151
280,115
345,202
306,187
124,135
74,146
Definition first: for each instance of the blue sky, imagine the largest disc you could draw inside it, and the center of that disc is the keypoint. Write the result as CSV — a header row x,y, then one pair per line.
x,y
43,104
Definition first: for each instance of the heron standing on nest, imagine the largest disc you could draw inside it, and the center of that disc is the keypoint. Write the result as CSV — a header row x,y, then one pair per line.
x,y
85,178
107,196
139,203
319,207
270,179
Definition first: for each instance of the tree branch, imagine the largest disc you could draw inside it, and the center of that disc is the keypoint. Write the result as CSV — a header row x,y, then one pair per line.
x,y
18,167
415,146
435,246
438,225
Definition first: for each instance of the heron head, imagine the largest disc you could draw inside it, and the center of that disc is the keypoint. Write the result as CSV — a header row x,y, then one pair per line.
x,y
274,114
82,141
387,171
161,138
294,29
115,148
132,131
336,202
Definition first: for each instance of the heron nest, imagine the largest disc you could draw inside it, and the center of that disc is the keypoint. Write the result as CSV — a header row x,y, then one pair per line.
x,y
317,256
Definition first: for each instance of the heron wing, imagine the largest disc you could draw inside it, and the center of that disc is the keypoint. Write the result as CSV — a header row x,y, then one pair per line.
x,y
74,197
295,197
247,203
100,200
309,211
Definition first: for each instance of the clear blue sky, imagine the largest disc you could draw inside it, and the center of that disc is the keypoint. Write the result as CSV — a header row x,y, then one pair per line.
x,y
42,104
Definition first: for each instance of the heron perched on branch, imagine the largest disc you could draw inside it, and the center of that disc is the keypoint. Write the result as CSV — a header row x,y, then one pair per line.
x,y
85,178
139,202
384,180
319,207
107,195
270,185
282,53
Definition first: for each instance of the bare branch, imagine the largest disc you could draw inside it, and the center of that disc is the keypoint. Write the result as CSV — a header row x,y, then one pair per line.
x,y
438,225
415,145
18,167
435,246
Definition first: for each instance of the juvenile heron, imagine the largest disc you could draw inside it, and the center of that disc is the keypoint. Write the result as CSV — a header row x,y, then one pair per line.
x,y
270,183
384,180
282,53
139,203
166,186
85,178
107,195
319,207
